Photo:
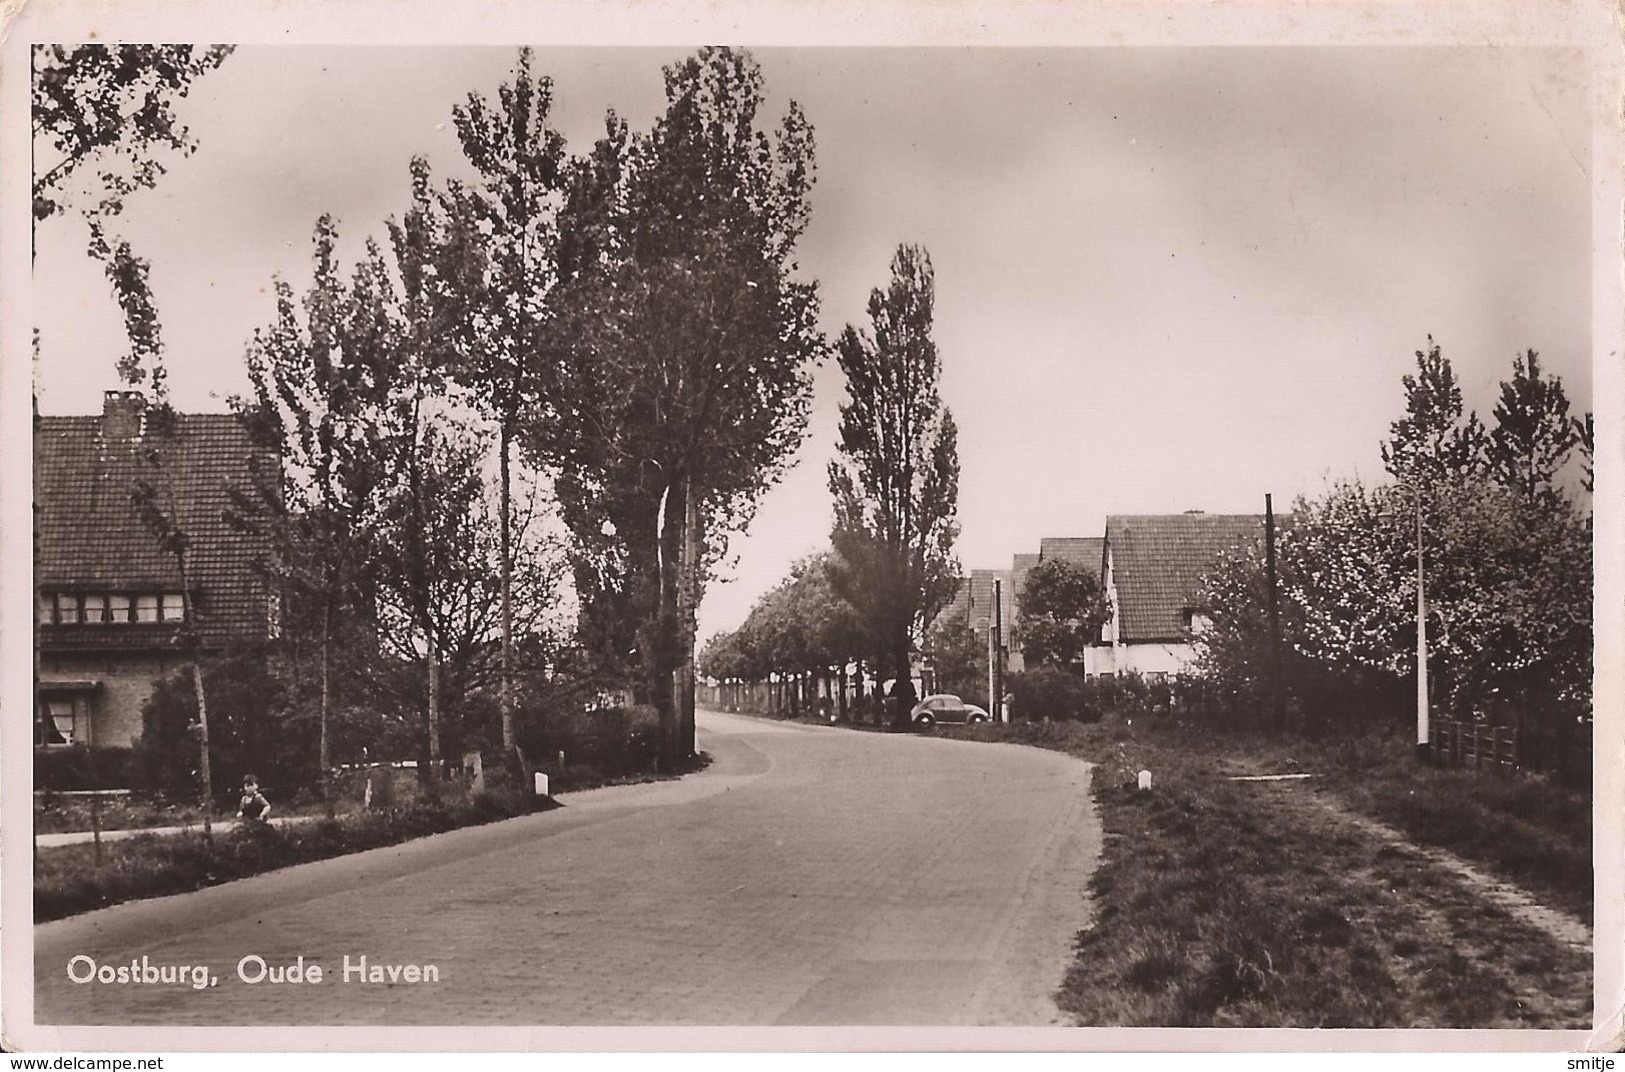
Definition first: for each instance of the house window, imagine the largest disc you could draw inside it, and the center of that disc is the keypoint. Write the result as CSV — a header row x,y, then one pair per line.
x,y
95,609
67,608
174,607
60,722
146,608
118,608
1197,621
46,614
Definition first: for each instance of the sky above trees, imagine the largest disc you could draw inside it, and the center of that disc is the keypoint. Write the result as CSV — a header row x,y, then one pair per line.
x,y
1166,279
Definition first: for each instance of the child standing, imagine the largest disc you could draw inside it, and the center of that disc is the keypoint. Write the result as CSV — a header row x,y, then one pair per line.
x,y
253,805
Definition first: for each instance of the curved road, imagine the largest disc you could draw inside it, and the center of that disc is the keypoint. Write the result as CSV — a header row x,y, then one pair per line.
x,y
810,875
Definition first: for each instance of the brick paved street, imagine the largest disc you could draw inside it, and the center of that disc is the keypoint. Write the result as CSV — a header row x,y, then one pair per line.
x,y
810,876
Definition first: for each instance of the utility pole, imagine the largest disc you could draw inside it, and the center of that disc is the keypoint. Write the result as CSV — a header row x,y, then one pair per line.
x,y
1421,640
1277,706
995,659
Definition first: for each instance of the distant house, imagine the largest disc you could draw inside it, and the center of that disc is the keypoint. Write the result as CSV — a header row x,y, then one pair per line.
x,y
110,601
1153,564
973,601
1019,568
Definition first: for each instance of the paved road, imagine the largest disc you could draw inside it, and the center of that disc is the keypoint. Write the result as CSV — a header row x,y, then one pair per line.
x,y
811,875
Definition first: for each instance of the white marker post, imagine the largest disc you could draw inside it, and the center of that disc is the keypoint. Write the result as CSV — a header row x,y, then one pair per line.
x,y
541,784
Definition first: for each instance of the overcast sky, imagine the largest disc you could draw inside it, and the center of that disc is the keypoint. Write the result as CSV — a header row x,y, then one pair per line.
x,y
1167,279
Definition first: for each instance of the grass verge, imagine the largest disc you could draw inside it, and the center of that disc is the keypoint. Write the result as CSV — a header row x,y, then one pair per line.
x,y
67,880
1223,903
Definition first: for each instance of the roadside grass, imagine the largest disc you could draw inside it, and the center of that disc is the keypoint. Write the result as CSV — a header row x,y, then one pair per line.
x,y
67,880
1525,829
1222,903
1522,828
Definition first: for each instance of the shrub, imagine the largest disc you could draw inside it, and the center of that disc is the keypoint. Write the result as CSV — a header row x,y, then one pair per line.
x,y
615,740
246,730
67,769
1049,692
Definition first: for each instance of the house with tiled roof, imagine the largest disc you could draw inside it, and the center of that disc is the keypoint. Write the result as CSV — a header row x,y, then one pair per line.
x,y
973,604
1019,568
1153,564
111,604
1086,551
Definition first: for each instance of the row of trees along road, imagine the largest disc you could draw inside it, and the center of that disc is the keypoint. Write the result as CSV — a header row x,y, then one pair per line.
x,y
623,327
626,320
1506,536
895,483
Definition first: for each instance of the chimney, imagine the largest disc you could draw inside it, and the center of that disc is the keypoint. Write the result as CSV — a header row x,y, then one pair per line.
x,y
123,415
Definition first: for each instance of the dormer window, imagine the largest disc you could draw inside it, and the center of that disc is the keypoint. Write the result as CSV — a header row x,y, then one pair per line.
x,y
67,608
1197,621
118,607
146,608
95,609
174,607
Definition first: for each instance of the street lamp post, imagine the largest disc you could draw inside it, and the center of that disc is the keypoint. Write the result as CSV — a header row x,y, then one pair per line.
x,y
995,662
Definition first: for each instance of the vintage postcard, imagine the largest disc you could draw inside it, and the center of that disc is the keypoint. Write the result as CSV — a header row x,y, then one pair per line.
x,y
818,526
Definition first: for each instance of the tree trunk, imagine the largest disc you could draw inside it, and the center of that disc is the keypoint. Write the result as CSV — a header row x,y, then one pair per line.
x,y
687,624
505,527
203,742
840,695
193,642
434,722
902,693
324,754
665,644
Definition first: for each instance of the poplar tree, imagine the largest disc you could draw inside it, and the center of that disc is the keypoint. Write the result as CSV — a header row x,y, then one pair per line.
x,y
312,404
686,386
1533,434
896,477
521,163
1432,442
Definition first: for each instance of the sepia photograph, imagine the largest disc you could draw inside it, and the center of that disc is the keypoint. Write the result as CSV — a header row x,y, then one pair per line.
x,y
1069,527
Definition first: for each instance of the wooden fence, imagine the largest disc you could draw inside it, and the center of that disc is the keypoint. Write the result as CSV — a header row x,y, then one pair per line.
x,y
1462,743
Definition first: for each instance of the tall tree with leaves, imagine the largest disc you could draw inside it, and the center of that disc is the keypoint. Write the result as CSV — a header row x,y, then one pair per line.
x,y
521,163
896,480
1432,442
686,387
311,404
1533,434
399,332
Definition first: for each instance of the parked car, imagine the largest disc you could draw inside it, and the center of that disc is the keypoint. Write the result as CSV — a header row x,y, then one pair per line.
x,y
945,708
